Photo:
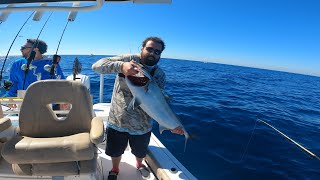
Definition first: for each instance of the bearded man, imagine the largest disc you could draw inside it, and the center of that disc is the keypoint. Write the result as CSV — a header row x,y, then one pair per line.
x,y
131,126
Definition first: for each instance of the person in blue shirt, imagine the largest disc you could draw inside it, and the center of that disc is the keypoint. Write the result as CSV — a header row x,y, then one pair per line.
x,y
36,68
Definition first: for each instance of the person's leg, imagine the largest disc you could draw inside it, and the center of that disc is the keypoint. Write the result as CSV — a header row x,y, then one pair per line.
x,y
139,145
139,162
115,164
115,147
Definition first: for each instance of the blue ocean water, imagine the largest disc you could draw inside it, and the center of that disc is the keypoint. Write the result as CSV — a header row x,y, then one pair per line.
x,y
219,104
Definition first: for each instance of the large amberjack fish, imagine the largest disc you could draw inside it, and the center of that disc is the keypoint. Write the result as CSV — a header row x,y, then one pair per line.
x,y
147,94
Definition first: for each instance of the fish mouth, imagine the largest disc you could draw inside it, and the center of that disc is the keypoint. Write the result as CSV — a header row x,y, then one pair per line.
x,y
138,81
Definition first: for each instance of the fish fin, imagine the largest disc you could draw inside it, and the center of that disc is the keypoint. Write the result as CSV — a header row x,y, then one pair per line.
x,y
146,87
134,103
168,98
187,136
162,128
185,144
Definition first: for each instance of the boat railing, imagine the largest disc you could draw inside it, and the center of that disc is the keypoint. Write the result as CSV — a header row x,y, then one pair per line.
x,y
101,88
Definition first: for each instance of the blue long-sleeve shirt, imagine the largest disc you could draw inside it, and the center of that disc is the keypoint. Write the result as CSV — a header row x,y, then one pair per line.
x,y
17,74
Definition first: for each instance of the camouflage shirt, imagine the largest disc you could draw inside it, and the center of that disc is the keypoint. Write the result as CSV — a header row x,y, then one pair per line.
x,y
134,122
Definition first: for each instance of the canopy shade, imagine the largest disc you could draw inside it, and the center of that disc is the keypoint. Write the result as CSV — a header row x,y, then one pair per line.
x,y
78,5
56,1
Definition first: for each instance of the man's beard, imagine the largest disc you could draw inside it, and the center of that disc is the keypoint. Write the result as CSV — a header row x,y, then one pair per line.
x,y
25,55
149,60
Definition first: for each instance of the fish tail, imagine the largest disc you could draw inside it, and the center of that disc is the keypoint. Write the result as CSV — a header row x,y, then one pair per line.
x,y
186,135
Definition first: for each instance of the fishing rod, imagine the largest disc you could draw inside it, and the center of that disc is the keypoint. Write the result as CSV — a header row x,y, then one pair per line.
x,y
297,144
32,53
56,58
8,84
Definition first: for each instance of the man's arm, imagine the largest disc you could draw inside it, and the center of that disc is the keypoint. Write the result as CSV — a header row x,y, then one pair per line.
x,y
12,77
119,64
110,64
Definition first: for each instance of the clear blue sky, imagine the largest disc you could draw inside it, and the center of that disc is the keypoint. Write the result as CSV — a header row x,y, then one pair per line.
x,y
271,34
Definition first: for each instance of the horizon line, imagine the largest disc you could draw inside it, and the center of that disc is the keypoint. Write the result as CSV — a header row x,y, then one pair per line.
x,y
209,61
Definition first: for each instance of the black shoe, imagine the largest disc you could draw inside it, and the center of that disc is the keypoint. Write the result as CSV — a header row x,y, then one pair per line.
x,y
113,175
144,171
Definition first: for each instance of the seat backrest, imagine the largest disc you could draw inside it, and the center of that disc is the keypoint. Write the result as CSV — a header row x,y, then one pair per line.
x,y
37,119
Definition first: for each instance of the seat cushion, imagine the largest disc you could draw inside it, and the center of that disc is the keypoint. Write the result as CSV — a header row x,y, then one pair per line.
x,y
56,169
5,123
27,150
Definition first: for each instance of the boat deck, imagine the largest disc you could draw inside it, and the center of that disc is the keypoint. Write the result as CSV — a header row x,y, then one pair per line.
x,y
159,160
127,168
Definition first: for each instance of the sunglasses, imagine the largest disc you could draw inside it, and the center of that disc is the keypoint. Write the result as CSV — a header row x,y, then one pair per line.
x,y
23,48
155,51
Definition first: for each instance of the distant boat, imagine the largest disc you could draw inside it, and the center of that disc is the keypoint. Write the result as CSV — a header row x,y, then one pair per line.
x,y
91,54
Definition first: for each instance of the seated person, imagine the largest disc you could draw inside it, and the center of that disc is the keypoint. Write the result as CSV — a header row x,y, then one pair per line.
x,y
36,70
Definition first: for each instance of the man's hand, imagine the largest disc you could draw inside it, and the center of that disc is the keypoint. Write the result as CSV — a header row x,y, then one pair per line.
x,y
65,106
130,68
178,130
12,106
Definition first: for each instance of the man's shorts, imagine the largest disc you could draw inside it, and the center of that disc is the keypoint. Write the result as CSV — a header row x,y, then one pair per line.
x,y
118,141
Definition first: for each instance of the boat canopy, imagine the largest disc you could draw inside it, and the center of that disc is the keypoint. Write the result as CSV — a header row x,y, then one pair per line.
x,y
64,5
8,6
57,1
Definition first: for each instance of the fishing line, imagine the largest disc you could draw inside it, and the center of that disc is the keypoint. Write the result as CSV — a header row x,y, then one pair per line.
x,y
5,59
32,52
297,144
246,148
